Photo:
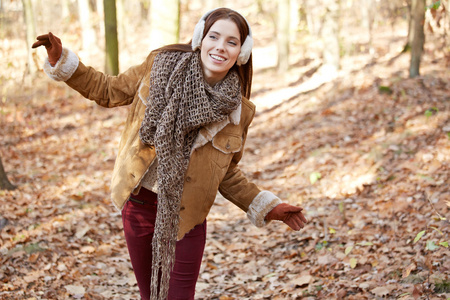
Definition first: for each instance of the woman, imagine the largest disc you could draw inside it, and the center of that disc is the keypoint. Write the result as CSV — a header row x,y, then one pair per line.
x,y
182,143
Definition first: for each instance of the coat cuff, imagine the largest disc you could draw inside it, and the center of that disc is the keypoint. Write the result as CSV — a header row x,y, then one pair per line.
x,y
64,68
261,205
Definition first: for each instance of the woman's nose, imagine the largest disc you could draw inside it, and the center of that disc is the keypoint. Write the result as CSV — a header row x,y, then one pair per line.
x,y
220,46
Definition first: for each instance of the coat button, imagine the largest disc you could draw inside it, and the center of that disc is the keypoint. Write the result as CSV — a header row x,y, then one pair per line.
x,y
188,179
228,145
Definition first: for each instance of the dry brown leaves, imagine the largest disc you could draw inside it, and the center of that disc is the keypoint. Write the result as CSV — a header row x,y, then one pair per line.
x,y
366,154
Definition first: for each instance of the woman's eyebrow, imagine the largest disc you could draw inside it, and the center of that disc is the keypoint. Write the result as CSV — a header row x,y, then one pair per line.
x,y
218,33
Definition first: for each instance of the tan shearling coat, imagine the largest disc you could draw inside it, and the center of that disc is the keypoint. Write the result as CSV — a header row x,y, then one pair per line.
x,y
213,166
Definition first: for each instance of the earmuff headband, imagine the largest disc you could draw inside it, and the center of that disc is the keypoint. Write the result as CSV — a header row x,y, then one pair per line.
x,y
246,47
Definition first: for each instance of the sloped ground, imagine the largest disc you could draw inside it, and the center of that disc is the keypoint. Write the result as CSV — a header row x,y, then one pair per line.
x,y
381,145
365,152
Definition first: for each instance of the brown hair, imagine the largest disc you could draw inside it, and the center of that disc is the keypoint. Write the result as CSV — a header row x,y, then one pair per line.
x,y
245,72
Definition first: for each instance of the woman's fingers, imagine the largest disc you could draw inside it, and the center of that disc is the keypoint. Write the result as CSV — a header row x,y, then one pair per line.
x,y
47,40
52,44
54,39
302,217
41,42
295,220
289,214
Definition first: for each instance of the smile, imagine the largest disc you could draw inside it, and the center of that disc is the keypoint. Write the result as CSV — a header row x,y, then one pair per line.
x,y
216,57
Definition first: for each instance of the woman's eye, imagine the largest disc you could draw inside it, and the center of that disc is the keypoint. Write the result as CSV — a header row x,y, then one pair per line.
x,y
233,43
213,37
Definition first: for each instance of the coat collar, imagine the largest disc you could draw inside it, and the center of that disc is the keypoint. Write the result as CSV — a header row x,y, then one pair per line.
x,y
207,133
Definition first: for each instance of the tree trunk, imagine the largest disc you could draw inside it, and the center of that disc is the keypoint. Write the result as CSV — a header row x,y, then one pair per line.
x,y
407,46
4,182
294,19
447,29
65,9
144,6
101,20
88,33
313,11
418,38
165,22
111,42
121,17
31,33
330,36
283,34
367,17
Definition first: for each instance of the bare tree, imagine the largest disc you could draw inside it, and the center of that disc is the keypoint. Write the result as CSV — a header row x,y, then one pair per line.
x,y
418,36
144,6
313,12
31,33
165,22
88,33
283,35
367,8
4,182
65,7
330,35
111,42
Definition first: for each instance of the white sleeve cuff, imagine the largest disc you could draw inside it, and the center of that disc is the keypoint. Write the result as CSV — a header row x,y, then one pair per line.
x,y
263,203
64,68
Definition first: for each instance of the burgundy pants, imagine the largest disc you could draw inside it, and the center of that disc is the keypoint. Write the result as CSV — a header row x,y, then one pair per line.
x,y
139,216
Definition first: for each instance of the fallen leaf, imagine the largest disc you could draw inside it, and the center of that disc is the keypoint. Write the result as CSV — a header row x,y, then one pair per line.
x,y
82,231
75,290
416,292
348,250
353,262
419,236
302,280
408,270
31,277
342,293
87,249
382,291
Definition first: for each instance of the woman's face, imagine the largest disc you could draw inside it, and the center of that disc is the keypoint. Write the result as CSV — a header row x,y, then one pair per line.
x,y
220,49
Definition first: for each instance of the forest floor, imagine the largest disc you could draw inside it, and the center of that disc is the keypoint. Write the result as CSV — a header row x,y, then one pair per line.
x,y
366,152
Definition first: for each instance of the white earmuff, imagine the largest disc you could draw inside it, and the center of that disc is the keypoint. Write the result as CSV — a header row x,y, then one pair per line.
x,y
246,47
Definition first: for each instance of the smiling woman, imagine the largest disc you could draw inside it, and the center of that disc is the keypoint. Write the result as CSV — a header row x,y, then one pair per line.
x,y
182,142
220,50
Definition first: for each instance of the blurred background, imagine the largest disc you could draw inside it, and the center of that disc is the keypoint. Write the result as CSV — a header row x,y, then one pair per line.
x,y
286,32
352,123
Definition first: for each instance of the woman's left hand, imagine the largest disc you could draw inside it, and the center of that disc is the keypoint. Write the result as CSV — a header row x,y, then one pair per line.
x,y
289,214
53,45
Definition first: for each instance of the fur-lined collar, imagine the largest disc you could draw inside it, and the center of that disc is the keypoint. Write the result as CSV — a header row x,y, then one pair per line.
x,y
207,133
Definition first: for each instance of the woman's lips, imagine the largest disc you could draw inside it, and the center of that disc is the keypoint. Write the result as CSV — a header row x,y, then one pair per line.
x,y
217,57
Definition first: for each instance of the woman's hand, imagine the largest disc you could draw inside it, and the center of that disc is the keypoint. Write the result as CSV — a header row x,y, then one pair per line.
x,y
53,45
289,214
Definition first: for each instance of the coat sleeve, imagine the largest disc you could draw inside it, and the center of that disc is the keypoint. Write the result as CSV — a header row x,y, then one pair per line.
x,y
245,194
106,90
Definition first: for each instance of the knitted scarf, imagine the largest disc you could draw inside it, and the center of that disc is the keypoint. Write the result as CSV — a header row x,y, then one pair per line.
x,y
180,103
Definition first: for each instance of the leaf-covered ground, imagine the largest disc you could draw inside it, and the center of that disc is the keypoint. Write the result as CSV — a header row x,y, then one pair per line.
x,y
366,152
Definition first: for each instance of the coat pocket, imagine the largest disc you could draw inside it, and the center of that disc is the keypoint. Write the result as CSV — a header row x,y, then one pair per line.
x,y
226,145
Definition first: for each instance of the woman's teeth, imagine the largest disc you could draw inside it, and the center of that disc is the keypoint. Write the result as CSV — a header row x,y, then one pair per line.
x,y
217,57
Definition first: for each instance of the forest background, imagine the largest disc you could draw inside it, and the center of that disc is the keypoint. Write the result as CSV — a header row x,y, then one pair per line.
x,y
343,128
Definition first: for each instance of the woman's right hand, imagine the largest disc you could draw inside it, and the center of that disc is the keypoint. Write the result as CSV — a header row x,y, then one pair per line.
x,y
289,214
53,45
